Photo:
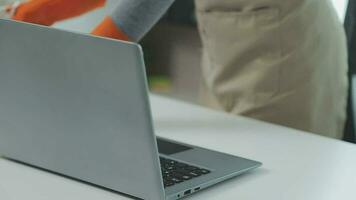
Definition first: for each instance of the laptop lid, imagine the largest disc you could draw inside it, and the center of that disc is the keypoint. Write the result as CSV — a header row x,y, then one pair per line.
x,y
77,105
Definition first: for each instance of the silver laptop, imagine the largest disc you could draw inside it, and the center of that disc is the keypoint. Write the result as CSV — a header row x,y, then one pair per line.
x,y
78,106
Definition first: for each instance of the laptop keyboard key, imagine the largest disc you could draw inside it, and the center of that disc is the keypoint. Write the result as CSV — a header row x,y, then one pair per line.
x,y
193,174
174,172
168,183
204,171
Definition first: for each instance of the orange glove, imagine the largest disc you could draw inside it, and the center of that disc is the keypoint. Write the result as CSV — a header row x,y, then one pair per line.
x,y
47,12
109,29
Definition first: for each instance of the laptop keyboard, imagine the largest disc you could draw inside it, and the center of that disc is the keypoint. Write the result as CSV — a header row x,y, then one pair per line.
x,y
175,172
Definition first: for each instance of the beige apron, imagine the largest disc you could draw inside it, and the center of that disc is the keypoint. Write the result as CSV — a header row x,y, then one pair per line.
x,y
280,61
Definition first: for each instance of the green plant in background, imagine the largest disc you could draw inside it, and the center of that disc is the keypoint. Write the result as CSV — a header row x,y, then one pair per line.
x,y
181,12
157,82
160,84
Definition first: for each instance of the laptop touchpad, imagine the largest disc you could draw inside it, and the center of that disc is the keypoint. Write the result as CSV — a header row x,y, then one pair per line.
x,y
169,148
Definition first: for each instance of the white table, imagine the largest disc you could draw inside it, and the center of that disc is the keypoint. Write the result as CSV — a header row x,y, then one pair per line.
x,y
297,165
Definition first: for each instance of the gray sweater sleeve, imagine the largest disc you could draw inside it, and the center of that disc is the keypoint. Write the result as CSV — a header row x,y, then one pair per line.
x,y
136,17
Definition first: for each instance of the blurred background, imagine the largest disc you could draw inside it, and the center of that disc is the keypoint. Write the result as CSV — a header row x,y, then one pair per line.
x,y
173,64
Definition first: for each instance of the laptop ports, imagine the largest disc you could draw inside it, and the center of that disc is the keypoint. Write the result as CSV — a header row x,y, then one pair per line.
x,y
187,192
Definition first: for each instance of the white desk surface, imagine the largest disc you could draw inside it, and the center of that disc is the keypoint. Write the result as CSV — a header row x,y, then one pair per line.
x,y
297,166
